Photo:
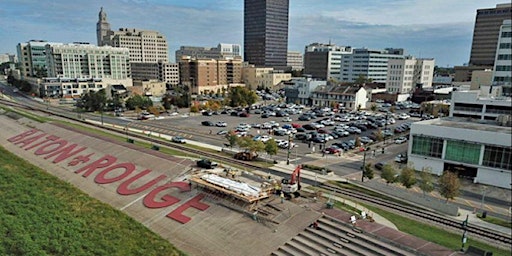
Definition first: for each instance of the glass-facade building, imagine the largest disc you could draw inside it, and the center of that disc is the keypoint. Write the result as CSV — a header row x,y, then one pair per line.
x,y
266,32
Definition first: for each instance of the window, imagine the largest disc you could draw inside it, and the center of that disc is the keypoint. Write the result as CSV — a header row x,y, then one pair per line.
x,y
462,151
503,68
506,34
427,146
497,157
505,45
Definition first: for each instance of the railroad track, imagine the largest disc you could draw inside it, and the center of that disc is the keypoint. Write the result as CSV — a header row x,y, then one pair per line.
x,y
423,214
429,216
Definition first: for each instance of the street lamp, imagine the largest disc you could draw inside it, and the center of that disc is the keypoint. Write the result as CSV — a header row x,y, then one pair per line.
x,y
101,111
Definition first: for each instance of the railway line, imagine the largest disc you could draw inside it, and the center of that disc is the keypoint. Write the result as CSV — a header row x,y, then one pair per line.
x,y
416,213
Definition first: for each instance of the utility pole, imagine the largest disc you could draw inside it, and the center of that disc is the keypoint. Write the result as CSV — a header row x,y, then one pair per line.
x,y
364,163
289,147
464,234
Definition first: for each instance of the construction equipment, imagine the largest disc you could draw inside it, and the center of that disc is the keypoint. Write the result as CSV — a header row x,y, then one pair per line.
x,y
292,186
246,155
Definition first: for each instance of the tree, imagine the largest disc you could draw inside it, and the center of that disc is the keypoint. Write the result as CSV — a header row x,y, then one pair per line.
x,y
408,176
232,138
361,79
154,110
379,136
241,96
368,171
449,185
142,102
93,101
357,142
271,147
256,146
425,182
388,174
392,109
373,107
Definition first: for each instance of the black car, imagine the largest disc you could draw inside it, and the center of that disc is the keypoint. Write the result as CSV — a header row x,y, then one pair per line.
x,y
207,113
205,163
309,127
301,136
304,118
379,166
207,123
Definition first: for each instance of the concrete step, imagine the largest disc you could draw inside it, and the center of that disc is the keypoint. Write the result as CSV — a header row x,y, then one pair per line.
x,y
326,243
314,246
305,248
280,252
383,245
291,250
327,239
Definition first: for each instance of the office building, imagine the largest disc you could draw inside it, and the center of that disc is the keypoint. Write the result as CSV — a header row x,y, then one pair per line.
x,y
405,75
32,58
299,90
210,75
144,45
503,62
102,27
486,33
295,61
87,61
369,63
484,104
7,57
259,77
348,97
161,71
266,32
323,61
222,51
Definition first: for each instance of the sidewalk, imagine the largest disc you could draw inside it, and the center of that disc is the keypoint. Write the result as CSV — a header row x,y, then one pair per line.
x,y
474,220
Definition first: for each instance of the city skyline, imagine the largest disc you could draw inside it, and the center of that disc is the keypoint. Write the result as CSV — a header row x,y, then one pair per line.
x,y
430,29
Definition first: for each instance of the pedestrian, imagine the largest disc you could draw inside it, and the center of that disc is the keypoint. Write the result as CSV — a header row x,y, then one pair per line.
x,y
373,153
210,131
282,197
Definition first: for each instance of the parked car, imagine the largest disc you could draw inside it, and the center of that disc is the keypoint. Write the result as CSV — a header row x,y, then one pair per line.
x,y
332,150
401,158
207,123
221,124
222,132
206,163
178,139
379,166
400,140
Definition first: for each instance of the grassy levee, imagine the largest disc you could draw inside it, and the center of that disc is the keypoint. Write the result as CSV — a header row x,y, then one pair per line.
x,y
434,234
42,215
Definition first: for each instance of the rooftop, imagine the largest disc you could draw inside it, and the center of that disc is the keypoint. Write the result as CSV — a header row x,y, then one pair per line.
x,y
469,124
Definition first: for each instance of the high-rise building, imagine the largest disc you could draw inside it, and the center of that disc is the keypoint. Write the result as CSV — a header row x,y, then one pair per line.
x,y
266,32
503,62
144,45
323,61
32,58
222,51
369,63
486,32
405,74
102,27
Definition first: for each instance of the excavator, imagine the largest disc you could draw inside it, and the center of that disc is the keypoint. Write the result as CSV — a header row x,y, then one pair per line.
x,y
291,187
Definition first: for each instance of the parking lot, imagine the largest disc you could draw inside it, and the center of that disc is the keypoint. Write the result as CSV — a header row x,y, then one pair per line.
x,y
320,138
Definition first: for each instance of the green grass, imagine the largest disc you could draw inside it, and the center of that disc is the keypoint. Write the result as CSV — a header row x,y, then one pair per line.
x,y
28,115
496,221
433,234
42,215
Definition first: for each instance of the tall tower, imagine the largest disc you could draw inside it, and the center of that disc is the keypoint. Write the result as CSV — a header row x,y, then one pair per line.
x,y
486,32
266,32
102,27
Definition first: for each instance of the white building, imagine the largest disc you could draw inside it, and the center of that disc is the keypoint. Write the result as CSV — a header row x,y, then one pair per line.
x,y
478,150
349,97
471,104
323,61
369,63
75,87
87,61
503,61
475,140
222,51
299,90
404,75
294,60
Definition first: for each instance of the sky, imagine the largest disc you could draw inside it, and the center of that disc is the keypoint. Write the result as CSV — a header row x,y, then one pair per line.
x,y
439,29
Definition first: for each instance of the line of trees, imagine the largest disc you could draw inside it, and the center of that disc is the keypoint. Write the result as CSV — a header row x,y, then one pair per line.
x,y
448,184
247,143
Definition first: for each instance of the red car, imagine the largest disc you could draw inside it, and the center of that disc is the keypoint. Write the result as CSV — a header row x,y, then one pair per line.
x,y
295,125
332,150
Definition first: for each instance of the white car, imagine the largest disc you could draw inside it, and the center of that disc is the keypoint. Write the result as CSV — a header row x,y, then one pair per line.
x,y
287,119
400,140
265,138
317,125
221,124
